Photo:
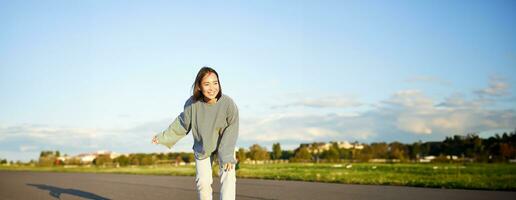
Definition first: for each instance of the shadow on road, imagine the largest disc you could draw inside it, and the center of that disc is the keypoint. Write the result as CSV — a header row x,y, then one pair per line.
x,y
56,192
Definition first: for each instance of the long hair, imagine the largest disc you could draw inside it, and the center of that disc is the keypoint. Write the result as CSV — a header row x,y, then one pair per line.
x,y
196,86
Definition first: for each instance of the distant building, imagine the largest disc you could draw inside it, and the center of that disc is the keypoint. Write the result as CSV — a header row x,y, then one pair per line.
x,y
427,159
87,158
320,147
64,158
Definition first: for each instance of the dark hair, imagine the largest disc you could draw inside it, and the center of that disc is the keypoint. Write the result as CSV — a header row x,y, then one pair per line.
x,y
196,87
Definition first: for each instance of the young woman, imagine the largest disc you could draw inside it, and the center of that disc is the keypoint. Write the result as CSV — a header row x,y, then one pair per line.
x,y
213,119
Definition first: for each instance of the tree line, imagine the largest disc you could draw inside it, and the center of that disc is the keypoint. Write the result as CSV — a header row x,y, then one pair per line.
x,y
472,148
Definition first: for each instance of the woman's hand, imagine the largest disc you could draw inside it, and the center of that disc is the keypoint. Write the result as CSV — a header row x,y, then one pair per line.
x,y
228,166
155,140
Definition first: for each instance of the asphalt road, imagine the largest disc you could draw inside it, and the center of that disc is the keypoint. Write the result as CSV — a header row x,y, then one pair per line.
x,y
43,185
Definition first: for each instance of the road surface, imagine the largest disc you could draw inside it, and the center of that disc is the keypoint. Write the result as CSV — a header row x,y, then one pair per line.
x,y
48,185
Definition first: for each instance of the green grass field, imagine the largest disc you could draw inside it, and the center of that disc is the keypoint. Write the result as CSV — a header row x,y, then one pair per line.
x,y
468,176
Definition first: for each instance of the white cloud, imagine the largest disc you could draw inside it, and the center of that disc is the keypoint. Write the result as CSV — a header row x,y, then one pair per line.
x,y
497,87
28,137
413,124
320,132
28,148
429,79
304,128
450,121
411,99
50,134
19,155
337,102
325,102
455,101
407,114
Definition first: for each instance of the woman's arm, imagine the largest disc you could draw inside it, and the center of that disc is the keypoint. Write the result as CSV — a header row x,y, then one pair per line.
x,y
229,136
177,129
172,134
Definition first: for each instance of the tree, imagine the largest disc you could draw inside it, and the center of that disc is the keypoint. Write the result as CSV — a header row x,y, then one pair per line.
x,y
102,160
415,150
302,155
47,158
397,151
179,159
135,161
315,149
506,151
276,151
241,155
379,150
187,157
363,155
333,154
191,157
149,160
287,154
122,160
257,152
479,150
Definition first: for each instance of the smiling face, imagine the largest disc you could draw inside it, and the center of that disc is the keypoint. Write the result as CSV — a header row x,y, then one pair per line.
x,y
210,87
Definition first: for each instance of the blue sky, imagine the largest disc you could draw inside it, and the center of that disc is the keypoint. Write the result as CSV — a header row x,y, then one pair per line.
x,y
81,76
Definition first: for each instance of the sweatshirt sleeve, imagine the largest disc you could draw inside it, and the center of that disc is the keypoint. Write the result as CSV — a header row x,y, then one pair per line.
x,y
177,129
229,136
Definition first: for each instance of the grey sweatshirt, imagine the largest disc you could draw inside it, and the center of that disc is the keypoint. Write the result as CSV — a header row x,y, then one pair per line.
x,y
214,128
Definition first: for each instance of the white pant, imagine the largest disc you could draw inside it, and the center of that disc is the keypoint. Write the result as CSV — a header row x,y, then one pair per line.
x,y
203,180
